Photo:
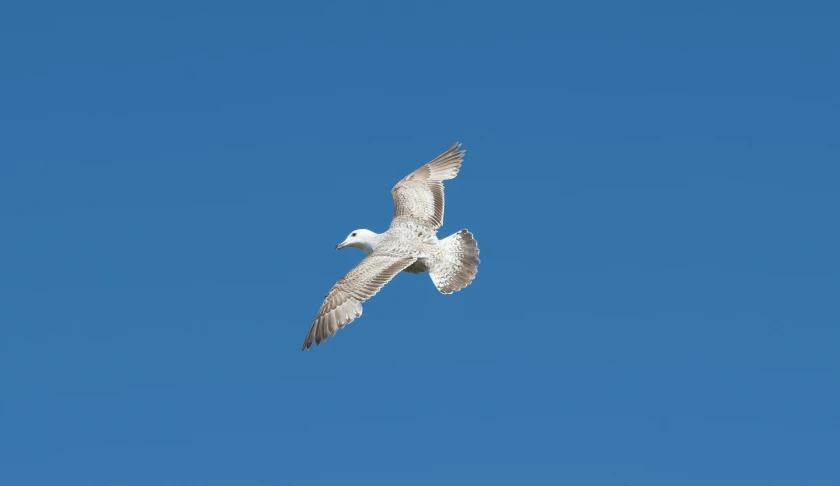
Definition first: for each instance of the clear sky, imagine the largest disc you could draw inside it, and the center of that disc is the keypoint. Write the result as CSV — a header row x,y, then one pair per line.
x,y
654,189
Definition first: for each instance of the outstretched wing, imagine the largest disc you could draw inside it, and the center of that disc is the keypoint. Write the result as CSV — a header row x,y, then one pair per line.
x,y
419,197
343,303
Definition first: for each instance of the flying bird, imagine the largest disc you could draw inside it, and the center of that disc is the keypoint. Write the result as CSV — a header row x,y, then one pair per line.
x,y
409,245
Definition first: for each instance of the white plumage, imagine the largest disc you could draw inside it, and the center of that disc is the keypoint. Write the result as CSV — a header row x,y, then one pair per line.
x,y
410,244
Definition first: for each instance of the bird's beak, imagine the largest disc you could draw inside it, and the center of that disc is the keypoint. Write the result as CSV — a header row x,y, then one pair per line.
x,y
340,246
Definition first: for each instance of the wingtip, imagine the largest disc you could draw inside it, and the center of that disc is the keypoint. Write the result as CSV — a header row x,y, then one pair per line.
x,y
307,343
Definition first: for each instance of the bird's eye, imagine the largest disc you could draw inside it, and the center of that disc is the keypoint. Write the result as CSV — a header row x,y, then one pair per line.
x,y
353,234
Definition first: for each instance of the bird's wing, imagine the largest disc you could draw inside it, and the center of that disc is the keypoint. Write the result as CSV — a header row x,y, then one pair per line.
x,y
419,197
343,303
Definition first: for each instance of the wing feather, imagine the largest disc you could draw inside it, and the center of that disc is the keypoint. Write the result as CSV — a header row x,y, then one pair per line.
x,y
418,198
343,303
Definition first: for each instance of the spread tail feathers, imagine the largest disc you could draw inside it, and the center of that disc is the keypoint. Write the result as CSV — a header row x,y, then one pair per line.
x,y
458,262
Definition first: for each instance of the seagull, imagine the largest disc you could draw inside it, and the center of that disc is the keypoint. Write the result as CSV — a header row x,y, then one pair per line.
x,y
409,245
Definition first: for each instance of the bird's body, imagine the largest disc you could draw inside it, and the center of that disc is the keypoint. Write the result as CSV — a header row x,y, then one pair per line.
x,y
410,244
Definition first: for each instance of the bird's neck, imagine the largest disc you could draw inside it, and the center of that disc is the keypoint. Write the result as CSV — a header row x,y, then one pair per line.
x,y
369,244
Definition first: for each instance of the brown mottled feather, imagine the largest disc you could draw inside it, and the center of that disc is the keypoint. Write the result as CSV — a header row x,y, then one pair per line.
x,y
418,198
343,303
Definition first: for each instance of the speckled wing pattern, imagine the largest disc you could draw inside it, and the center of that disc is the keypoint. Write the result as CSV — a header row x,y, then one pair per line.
x,y
418,198
343,303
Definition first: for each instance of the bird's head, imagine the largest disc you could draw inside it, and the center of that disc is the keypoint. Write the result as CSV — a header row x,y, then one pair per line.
x,y
361,238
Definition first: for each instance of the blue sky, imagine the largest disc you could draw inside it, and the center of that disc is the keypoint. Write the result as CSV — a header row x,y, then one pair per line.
x,y
654,189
